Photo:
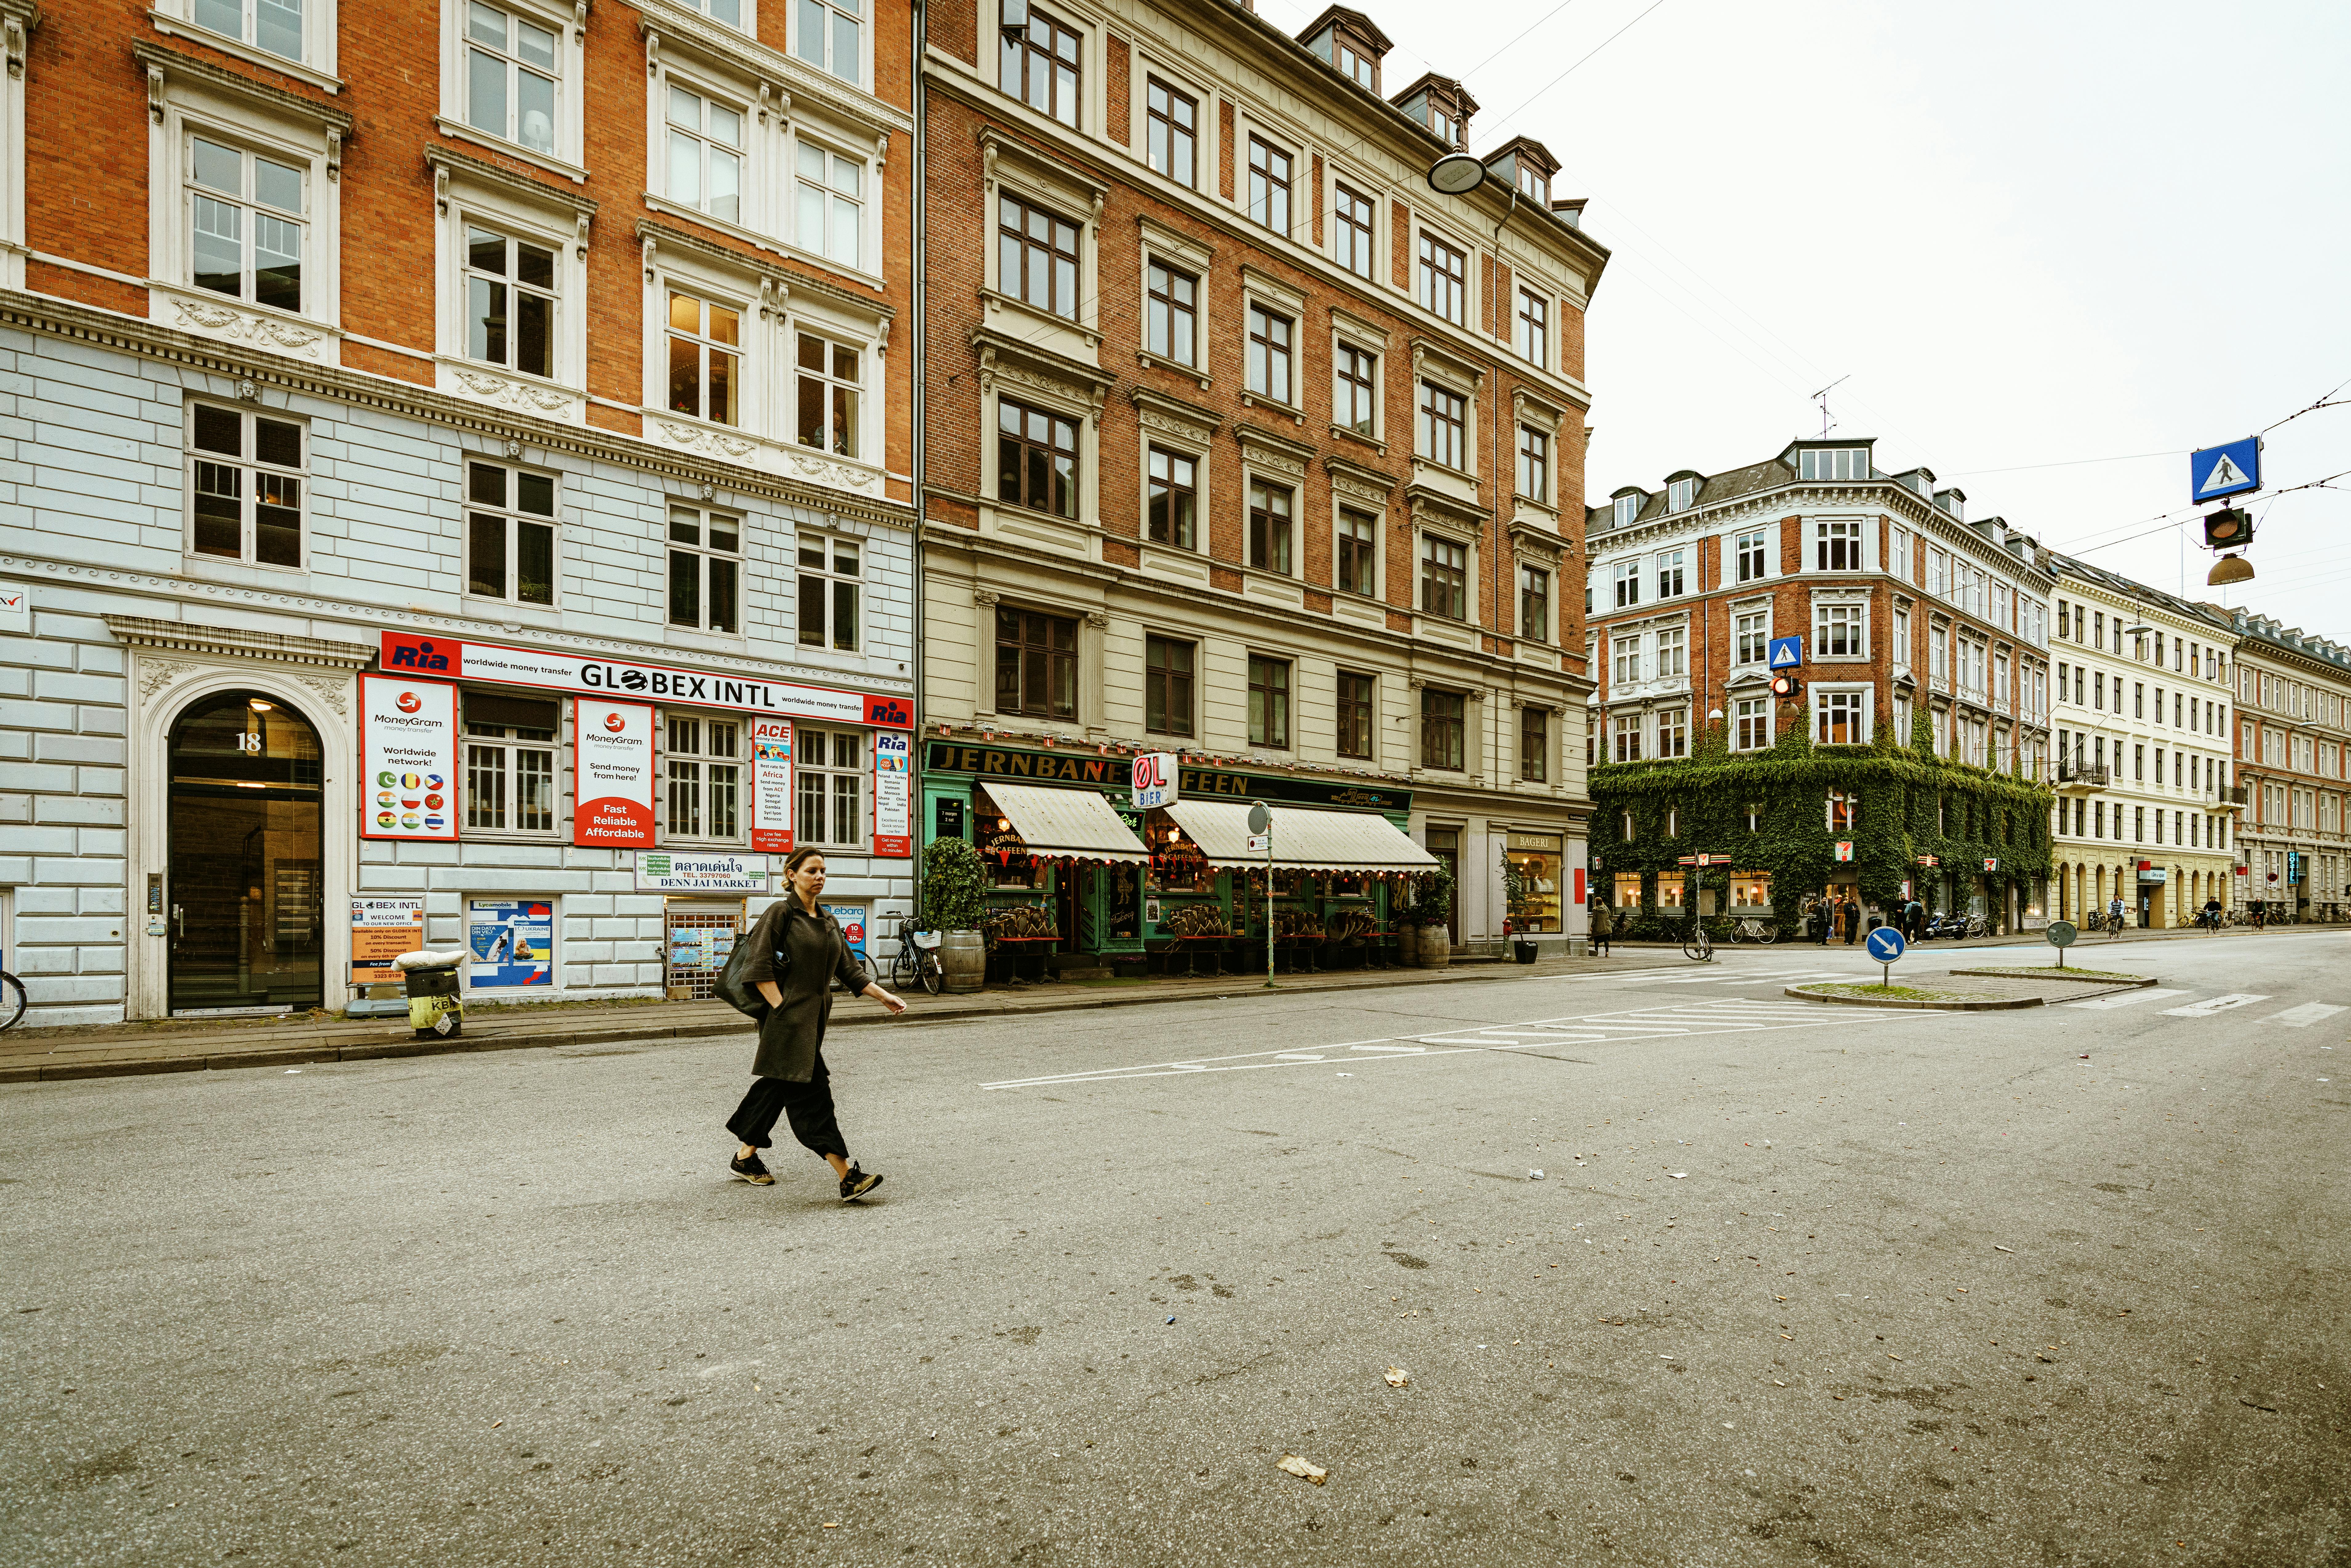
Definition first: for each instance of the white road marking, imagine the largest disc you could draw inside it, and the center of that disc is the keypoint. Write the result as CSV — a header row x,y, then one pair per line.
x,y
2211,1005
1297,1056
2304,1016
2128,999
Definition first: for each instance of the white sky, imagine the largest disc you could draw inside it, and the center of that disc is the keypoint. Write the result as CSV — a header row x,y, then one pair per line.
x,y
2030,234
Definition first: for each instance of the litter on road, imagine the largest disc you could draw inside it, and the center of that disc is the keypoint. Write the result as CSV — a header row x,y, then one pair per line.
x,y
1397,1376
1301,1468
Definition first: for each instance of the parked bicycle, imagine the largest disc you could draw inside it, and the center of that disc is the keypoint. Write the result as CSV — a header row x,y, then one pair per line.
x,y
1757,931
12,1000
1698,947
916,962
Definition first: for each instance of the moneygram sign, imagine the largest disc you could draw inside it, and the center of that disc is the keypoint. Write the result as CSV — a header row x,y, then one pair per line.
x,y
408,754
446,658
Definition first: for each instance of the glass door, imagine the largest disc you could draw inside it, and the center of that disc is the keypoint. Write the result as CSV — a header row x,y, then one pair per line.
x,y
245,900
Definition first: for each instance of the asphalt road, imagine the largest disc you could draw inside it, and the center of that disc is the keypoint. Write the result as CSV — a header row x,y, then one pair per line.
x,y
1798,1285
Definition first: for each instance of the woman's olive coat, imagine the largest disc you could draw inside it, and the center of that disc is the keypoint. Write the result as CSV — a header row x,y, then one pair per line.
x,y
818,955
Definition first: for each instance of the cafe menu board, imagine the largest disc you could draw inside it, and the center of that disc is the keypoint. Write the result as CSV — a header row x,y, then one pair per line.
x,y
613,773
408,753
381,930
771,785
894,794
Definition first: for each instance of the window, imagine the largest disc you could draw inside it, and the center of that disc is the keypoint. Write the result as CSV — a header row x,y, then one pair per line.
x,y
1752,731
1359,534
1626,668
727,11
1268,701
830,768
1443,274
1036,459
1444,578
1269,185
510,75
1039,62
1534,184
1444,124
1844,462
1625,510
1670,574
1351,238
1357,67
1175,492
1443,732
272,24
1841,717
1747,551
509,763
705,156
1355,733
1035,663
703,778
1672,654
1672,740
828,380
705,359
1036,256
246,224
1901,650
1172,129
1268,354
1534,744
1750,635
1628,749
1167,686
1354,405
1534,603
509,302
1628,584
1844,811
1898,549
1534,463
1443,424
1837,545
1171,313
1837,631
1681,494
828,593
1534,328
509,534
830,190
1268,527
831,35
245,485
705,571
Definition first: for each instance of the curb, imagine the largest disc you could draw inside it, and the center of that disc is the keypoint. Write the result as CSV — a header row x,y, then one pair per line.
x,y
1800,994
2107,981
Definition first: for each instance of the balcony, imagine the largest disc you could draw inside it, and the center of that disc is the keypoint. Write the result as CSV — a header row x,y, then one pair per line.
x,y
2236,796
2081,776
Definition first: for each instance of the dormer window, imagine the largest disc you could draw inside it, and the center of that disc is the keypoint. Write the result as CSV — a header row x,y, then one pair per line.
x,y
1350,44
1357,67
1952,502
1681,494
1534,184
1627,507
1834,462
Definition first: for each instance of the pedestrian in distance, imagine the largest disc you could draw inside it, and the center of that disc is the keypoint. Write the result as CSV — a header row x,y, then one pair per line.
x,y
797,951
1822,914
1601,924
1915,920
1852,920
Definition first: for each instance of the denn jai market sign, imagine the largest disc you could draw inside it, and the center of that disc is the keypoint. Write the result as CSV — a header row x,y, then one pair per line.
x,y
613,773
408,750
661,871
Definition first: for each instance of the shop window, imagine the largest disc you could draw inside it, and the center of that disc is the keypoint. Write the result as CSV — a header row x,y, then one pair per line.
x,y
1444,578
511,70
830,215
1356,732
1443,424
1036,459
829,35
1444,729
705,154
1628,887
509,763
248,220
1751,890
706,359
1171,315
1359,535
509,302
1444,275
1268,701
1534,463
1172,123
1167,667
1035,663
1354,218
705,571
1039,61
1269,185
827,382
1174,499
1268,527
703,776
245,477
510,521
1036,256
1534,744
831,769
829,584
1534,603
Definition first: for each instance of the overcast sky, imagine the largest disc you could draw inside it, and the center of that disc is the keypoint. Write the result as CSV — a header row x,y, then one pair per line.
x,y
2028,234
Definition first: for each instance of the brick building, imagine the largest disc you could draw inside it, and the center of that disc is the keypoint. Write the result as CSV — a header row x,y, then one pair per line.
x,y
501,394
1244,443
2294,769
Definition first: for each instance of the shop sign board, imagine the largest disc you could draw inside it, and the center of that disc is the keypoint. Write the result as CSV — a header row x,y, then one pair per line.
x,y
381,930
1118,773
513,944
1153,775
408,751
666,871
613,773
452,659
1991,863
1844,849
850,917
771,785
894,794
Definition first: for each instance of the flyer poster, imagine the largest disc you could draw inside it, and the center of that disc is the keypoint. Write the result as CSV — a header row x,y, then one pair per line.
x,y
771,785
381,930
612,764
894,794
852,917
408,751
513,943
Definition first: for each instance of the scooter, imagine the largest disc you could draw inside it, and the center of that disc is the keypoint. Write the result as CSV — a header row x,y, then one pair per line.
x,y
1951,926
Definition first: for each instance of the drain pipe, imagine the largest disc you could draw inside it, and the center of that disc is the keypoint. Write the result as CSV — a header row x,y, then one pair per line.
x,y
922,338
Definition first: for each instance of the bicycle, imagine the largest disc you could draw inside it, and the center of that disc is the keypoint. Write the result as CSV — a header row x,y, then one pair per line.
x,y
12,1000
1697,947
1760,931
916,962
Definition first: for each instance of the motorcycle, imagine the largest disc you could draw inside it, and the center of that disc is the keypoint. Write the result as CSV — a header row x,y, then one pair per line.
x,y
1952,926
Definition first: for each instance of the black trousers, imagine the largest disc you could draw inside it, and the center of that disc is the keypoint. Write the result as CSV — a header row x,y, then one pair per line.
x,y
810,1106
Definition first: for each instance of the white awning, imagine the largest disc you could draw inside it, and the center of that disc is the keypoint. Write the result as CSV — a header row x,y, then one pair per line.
x,y
1303,839
1077,823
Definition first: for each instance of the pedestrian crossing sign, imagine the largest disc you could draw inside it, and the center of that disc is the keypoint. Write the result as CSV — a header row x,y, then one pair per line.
x,y
1787,653
2228,470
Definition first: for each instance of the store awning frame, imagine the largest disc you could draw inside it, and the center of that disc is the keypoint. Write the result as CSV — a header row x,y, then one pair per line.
x,y
1066,824
1303,840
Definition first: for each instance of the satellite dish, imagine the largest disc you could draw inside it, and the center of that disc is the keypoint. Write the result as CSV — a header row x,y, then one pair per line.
x,y
1456,175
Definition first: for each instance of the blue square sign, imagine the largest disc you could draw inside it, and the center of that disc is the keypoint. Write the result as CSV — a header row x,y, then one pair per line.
x,y
2228,470
1787,653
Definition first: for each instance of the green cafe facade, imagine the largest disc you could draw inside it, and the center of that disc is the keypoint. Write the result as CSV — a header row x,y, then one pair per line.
x,y
1083,881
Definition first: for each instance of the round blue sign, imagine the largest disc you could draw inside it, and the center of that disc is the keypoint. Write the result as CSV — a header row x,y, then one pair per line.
x,y
1885,944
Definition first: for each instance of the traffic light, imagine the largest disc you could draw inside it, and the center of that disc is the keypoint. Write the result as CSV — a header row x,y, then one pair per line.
x,y
1785,687
2228,528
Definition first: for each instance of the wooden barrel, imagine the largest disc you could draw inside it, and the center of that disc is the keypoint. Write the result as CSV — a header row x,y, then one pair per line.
x,y
962,956
1407,946
1435,947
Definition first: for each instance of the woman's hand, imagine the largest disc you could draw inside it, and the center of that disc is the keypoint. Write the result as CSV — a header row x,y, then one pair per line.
x,y
895,1003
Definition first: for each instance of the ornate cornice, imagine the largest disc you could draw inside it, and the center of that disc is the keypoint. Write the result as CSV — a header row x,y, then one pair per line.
x,y
236,642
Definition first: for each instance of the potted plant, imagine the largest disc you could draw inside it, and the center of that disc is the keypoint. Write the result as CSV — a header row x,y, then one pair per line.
x,y
1514,899
1433,907
955,902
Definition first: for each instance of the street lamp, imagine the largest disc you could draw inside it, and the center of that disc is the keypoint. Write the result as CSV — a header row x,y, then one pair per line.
x,y
1456,174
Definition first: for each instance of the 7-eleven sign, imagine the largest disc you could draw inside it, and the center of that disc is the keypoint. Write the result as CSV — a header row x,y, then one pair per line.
x,y
1844,849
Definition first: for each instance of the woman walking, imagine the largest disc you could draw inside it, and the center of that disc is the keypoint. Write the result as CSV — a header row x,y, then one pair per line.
x,y
797,953
1602,922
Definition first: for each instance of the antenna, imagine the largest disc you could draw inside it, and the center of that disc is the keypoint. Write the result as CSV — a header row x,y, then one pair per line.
x,y
1822,397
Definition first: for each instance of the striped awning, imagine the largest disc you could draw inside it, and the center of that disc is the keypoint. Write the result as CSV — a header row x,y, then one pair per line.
x,y
1303,839
1078,825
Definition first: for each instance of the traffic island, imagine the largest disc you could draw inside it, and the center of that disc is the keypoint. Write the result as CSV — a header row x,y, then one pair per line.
x,y
1861,994
2114,977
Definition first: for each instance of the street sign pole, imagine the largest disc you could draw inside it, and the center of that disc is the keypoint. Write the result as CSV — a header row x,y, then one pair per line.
x,y
1260,822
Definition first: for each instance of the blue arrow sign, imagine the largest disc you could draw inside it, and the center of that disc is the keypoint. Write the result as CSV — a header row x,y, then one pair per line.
x,y
1885,944
2228,470
1787,653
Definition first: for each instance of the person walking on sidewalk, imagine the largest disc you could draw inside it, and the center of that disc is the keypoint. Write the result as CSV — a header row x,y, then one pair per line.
x,y
797,951
1852,920
1601,924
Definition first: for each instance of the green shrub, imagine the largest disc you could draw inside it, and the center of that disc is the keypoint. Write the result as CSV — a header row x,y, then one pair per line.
x,y
954,886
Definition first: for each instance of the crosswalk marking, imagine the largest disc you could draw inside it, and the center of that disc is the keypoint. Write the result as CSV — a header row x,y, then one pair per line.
x,y
2211,1005
2304,1016
2128,999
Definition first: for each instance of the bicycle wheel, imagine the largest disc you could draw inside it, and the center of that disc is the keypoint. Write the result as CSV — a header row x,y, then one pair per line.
x,y
903,965
12,1000
934,973
1767,935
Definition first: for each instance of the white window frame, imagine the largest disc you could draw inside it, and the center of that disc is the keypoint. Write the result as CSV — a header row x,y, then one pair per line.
x,y
251,471
703,520
1671,656
568,156
1624,660
508,749
315,65
797,40
833,576
1756,711
1625,511
860,387
471,195
863,221
1861,697
1735,558
1681,494
704,761
811,765
19,18
1762,641
514,518
1628,581
1673,574
1858,621
1847,531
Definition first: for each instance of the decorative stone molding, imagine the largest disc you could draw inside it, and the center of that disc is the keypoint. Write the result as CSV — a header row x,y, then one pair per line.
x,y
984,596
1099,620
709,442
17,24
1166,416
514,394
154,675
248,327
236,643
1274,453
330,692
1008,363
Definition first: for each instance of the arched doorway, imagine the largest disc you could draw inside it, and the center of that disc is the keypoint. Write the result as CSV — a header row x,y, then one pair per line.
x,y
245,895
